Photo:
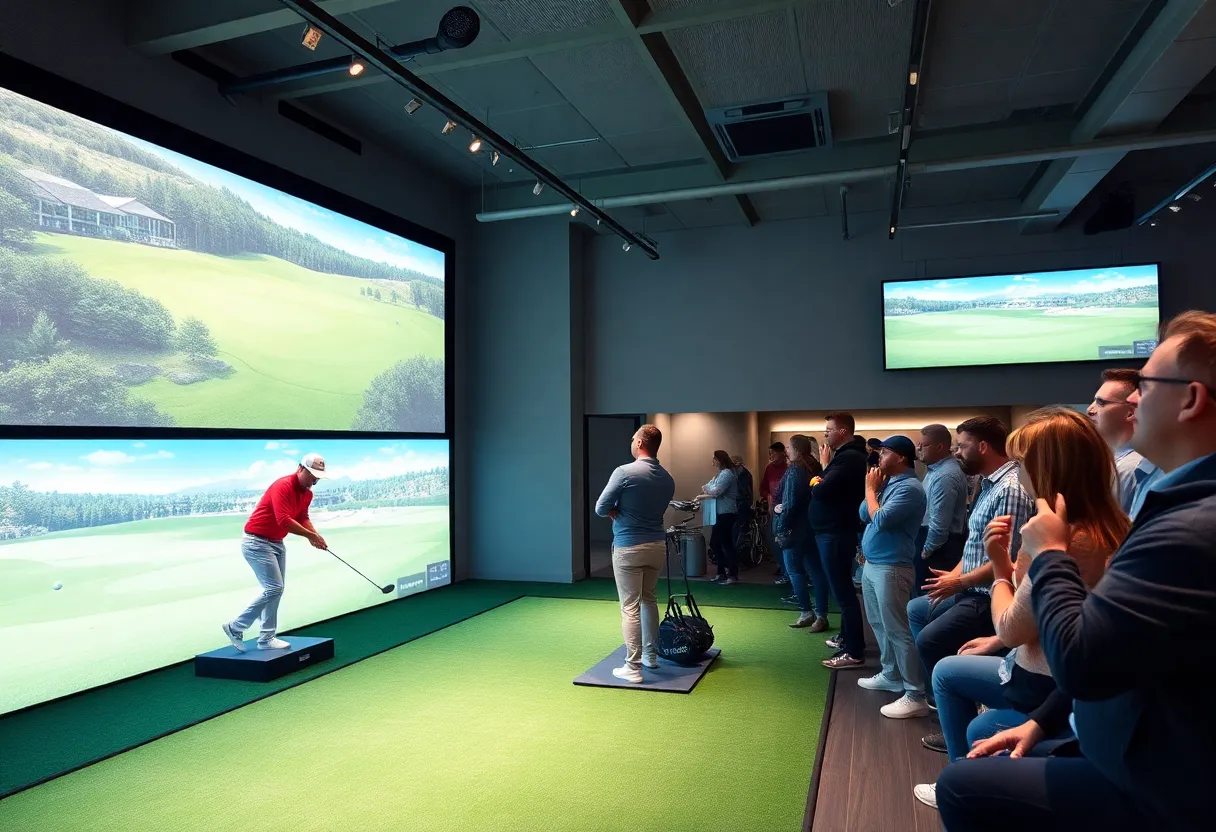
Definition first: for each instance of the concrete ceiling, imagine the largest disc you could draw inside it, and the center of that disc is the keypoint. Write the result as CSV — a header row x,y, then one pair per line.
x,y
625,83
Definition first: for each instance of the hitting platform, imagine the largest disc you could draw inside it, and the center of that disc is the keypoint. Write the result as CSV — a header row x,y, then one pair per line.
x,y
668,678
256,665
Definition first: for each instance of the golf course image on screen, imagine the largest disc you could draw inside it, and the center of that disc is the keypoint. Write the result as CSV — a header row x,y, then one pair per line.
x,y
1078,315
141,287
119,557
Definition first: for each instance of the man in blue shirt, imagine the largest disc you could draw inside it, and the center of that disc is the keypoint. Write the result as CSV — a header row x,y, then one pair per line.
x,y
939,545
1113,414
1145,728
892,511
636,499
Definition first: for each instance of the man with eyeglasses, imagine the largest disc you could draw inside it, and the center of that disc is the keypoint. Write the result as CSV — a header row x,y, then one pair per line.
x,y
1114,417
1132,651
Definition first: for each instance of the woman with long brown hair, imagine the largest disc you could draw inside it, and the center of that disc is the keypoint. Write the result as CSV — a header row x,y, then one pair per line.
x,y
1059,452
720,500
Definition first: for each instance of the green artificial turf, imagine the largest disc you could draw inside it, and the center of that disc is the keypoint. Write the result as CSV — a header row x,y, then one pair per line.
x,y
1011,336
479,727
47,740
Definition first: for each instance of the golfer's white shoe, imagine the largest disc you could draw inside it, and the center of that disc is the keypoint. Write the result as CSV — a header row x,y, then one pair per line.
x,y
273,644
628,674
237,641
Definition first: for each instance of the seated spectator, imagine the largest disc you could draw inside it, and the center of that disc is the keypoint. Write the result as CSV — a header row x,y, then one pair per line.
x,y
792,530
957,608
1059,452
892,511
1133,652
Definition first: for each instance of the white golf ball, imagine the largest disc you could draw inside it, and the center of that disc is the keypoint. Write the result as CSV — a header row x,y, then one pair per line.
x,y
58,586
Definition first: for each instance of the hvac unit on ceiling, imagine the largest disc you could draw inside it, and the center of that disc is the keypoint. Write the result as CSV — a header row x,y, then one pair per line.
x,y
770,128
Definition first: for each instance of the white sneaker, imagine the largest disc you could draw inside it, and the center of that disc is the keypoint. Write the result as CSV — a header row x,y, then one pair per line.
x,y
273,644
650,660
905,707
628,674
880,682
805,619
237,641
926,793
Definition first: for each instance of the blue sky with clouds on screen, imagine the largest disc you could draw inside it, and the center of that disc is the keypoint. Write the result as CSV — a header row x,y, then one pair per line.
x,y
164,466
1027,284
350,235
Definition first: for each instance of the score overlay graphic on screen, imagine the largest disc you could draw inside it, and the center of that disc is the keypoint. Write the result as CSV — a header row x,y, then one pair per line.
x,y
1077,315
122,556
141,287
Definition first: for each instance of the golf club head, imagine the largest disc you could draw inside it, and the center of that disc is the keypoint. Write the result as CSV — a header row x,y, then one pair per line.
x,y
387,589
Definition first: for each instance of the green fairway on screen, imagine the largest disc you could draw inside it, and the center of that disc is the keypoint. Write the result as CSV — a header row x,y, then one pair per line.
x,y
143,288
122,556
1078,315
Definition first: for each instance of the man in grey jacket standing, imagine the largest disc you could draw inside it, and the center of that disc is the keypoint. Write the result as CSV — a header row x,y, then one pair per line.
x,y
636,499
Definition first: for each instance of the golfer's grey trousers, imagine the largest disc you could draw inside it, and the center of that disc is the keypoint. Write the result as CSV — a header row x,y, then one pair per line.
x,y
637,571
268,560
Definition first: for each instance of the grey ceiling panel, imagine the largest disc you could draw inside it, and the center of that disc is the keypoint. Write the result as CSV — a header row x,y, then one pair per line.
x,y
579,159
860,118
543,125
982,94
859,48
954,18
1050,89
1078,43
987,56
503,87
515,18
654,147
741,61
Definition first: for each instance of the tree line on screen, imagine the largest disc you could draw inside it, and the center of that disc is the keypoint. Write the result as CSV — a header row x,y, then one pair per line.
x,y
209,220
25,512
1119,298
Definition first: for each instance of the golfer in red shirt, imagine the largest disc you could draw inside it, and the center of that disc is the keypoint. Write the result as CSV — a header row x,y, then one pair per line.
x,y
282,510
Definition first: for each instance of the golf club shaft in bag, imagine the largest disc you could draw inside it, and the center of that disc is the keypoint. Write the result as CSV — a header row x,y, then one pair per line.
x,y
385,589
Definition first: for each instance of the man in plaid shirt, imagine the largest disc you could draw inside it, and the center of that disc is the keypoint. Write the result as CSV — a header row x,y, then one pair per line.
x,y
955,614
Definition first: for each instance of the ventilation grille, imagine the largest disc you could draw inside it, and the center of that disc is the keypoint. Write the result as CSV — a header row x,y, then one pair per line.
x,y
772,128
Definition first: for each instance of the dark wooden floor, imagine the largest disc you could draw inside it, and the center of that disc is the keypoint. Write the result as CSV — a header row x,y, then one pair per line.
x,y
870,763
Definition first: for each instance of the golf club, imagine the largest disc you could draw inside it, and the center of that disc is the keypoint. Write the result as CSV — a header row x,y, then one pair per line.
x,y
385,589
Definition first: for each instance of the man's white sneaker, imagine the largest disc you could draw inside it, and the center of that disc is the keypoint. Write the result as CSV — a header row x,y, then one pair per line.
x,y
806,619
628,674
236,638
273,644
926,793
650,660
905,707
880,682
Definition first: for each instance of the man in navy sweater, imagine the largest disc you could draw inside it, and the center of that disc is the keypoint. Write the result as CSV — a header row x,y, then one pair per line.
x,y
1134,652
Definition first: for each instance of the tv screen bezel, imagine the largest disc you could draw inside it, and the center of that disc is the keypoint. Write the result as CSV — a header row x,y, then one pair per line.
x,y
882,296
75,99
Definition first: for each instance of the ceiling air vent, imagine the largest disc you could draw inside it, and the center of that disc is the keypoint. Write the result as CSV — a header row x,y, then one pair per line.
x,y
770,128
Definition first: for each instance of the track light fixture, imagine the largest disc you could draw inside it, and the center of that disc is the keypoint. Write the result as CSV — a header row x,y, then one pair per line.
x,y
449,127
494,157
574,211
475,145
356,67
414,106
538,187
1175,208
626,247
311,37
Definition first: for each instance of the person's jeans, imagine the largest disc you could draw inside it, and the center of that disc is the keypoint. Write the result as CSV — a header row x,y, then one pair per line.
x,y
268,560
992,722
885,589
637,569
941,631
959,683
945,558
723,537
1039,793
802,564
837,552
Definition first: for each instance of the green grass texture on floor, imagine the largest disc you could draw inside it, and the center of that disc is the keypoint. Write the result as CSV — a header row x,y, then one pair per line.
x,y
50,739
480,727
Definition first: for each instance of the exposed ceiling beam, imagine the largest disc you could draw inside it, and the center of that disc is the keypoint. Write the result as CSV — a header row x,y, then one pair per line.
x,y
158,27
1152,75
657,56
486,54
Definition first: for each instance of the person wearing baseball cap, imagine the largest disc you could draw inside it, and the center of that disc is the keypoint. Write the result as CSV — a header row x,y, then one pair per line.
x,y
283,510
892,510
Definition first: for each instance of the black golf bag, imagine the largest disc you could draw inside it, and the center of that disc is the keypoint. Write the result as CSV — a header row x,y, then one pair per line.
x,y
684,634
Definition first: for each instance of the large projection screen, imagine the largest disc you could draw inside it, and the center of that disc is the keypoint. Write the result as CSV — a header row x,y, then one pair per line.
x,y
143,287
1108,314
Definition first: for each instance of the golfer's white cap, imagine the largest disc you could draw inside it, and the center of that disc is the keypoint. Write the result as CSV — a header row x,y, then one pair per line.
x,y
315,464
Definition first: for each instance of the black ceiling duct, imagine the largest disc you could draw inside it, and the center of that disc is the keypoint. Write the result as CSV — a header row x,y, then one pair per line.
x,y
458,28
1116,212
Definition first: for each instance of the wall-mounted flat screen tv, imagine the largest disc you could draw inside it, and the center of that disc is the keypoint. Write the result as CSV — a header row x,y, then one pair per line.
x,y
1107,314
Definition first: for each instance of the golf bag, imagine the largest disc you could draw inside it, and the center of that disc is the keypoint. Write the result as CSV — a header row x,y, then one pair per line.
x,y
684,634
